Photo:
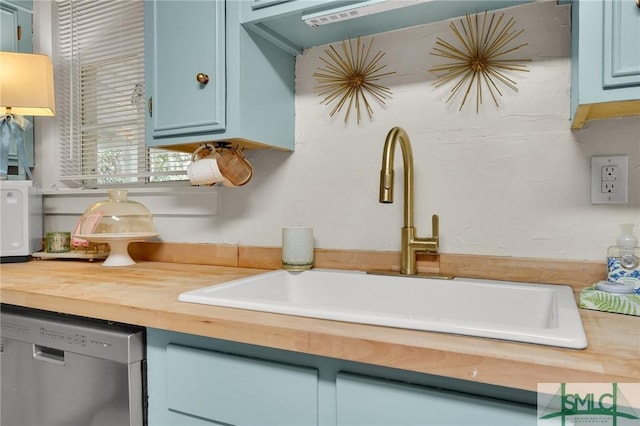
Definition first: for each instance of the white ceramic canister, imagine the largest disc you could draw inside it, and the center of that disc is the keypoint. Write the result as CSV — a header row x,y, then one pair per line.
x,y
297,248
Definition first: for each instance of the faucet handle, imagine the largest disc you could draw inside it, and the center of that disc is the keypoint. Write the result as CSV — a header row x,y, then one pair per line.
x,y
435,227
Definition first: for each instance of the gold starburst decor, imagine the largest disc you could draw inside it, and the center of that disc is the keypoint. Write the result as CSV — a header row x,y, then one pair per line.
x,y
481,58
349,76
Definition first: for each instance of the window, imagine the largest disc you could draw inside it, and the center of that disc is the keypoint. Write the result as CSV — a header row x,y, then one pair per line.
x,y
99,60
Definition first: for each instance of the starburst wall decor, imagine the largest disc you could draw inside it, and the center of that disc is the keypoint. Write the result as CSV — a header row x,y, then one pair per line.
x,y
481,60
347,78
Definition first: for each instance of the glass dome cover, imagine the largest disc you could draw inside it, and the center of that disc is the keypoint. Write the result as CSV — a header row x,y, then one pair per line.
x,y
117,216
117,221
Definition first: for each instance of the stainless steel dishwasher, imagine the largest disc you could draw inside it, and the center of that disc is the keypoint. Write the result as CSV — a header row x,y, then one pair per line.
x,y
58,369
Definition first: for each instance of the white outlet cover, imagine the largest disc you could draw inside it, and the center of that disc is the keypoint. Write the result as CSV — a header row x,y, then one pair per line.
x,y
598,194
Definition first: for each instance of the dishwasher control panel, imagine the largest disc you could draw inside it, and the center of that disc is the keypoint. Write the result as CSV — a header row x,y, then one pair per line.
x,y
103,339
70,339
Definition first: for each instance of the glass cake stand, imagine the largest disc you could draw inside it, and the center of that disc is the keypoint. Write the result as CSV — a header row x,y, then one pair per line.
x,y
119,244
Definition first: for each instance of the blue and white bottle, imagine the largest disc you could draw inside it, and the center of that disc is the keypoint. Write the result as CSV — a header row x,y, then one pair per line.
x,y
623,259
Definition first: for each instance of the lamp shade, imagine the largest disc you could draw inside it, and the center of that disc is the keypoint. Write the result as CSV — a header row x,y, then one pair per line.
x,y
26,84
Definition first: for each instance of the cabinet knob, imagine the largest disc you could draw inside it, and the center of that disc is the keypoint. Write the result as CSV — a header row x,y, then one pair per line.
x,y
202,78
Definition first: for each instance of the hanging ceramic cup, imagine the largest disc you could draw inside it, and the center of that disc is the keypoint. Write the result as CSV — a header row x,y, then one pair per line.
x,y
204,169
233,166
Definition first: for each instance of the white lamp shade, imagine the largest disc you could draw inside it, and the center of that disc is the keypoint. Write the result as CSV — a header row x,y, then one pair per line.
x,y
26,84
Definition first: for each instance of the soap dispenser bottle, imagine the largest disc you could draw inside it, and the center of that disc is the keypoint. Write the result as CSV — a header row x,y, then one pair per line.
x,y
623,259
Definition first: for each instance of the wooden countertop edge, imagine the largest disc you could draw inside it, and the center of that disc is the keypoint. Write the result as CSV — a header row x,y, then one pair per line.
x,y
462,357
437,360
484,360
459,363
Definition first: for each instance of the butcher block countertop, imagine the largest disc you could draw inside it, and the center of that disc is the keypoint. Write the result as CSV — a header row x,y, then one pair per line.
x,y
146,294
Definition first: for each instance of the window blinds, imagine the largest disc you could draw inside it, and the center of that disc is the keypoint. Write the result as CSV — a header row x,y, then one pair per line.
x,y
99,61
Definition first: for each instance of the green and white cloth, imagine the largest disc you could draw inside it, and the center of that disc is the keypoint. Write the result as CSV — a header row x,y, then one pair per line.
x,y
592,298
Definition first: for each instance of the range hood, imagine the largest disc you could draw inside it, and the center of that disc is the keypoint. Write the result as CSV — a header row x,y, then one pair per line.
x,y
356,11
296,25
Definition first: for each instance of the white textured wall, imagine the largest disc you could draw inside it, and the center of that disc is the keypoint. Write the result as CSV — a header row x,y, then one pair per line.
x,y
508,181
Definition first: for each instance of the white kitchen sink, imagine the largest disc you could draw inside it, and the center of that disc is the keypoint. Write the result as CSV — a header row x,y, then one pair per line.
x,y
523,312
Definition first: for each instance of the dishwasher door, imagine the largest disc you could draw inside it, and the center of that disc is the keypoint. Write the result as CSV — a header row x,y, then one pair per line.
x,y
62,370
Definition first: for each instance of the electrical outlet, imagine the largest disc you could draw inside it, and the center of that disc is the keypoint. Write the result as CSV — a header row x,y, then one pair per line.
x,y
609,177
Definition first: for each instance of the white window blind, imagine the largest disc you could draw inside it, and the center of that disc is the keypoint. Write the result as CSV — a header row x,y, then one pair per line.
x,y
99,60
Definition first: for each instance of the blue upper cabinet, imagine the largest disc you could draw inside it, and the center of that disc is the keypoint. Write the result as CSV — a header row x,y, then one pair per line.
x,y
208,79
16,35
186,71
605,64
621,43
294,25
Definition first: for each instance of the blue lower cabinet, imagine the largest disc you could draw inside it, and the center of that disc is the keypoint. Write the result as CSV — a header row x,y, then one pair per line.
x,y
201,381
373,402
191,383
236,390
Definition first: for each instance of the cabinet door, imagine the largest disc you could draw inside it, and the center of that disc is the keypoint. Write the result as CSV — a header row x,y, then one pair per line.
x,y
185,39
374,402
621,53
16,33
8,29
605,60
250,87
231,389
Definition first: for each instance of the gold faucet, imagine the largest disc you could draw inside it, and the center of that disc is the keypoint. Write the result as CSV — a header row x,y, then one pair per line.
x,y
411,244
